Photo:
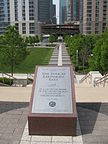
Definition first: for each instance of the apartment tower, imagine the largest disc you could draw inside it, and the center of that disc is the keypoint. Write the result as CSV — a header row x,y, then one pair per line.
x,y
26,15
94,17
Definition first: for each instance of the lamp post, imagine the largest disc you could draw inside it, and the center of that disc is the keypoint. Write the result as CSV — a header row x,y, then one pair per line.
x,y
76,68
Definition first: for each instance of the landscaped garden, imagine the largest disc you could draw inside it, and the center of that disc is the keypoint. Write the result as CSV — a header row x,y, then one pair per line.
x,y
15,57
38,56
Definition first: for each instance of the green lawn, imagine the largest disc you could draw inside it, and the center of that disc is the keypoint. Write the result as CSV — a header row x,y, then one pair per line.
x,y
39,56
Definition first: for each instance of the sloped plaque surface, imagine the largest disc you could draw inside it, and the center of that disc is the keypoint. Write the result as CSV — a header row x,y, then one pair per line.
x,y
53,93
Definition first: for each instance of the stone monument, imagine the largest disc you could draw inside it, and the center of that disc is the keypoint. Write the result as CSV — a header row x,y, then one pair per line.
x,y
52,108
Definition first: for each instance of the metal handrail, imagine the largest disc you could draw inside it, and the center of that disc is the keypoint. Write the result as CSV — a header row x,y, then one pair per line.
x,y
103,79
4,76
6,85
86,76
10,76
31,76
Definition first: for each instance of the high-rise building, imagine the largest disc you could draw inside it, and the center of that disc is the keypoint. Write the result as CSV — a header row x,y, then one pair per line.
x,y
26,15
54,19
69,11
94,16
19,13
4,15
62,11
75,10
45,11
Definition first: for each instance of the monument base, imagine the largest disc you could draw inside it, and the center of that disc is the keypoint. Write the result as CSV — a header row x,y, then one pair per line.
x,y
55,125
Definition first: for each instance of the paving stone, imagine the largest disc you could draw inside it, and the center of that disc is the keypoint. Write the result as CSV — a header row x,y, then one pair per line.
x,y
25,142
18,131
13,116
4,142
14,142
15,112
26,137
41,138
93,115
62,139
61,143
77,139
95,139
10,131
100,132
41,142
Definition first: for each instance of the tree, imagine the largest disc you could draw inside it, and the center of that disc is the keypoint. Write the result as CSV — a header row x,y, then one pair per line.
x,y
84,54
36,39
104,52
66,38
94,63
30,39
41,38
27,40
52,38
13,48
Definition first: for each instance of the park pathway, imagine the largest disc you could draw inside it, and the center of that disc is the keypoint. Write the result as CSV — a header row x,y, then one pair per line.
x,y
60,56
54,57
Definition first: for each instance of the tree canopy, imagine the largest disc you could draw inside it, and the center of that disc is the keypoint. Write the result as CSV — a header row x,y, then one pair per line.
x,y
92,51
32,39
13,48
52,38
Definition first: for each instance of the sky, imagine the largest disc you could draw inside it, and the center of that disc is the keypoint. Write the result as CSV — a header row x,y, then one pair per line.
x,y
57,9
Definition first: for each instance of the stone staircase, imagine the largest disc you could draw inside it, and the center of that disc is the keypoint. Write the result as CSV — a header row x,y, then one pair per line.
x,y
92,79
65,57
54,57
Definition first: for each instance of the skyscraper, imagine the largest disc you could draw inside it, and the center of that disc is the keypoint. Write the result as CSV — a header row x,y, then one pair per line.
x,y
4,14
75,10
19,13
69,11
94,16
25,15
44,10
62,11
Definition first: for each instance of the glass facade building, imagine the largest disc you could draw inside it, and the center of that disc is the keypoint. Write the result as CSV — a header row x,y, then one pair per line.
x,y
69,11
75,10
45,11
4,15
26,15
62,11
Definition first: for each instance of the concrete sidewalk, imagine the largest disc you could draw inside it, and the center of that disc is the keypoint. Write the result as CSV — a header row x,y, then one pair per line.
x,y
93,120
83,94
91,94
15,94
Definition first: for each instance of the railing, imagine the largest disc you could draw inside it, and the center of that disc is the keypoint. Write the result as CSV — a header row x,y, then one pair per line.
x,y
102,80
18,80
85,77
30,76
8,75
5,85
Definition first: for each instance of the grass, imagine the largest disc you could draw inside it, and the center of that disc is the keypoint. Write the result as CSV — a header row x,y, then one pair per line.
x,y
38,56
